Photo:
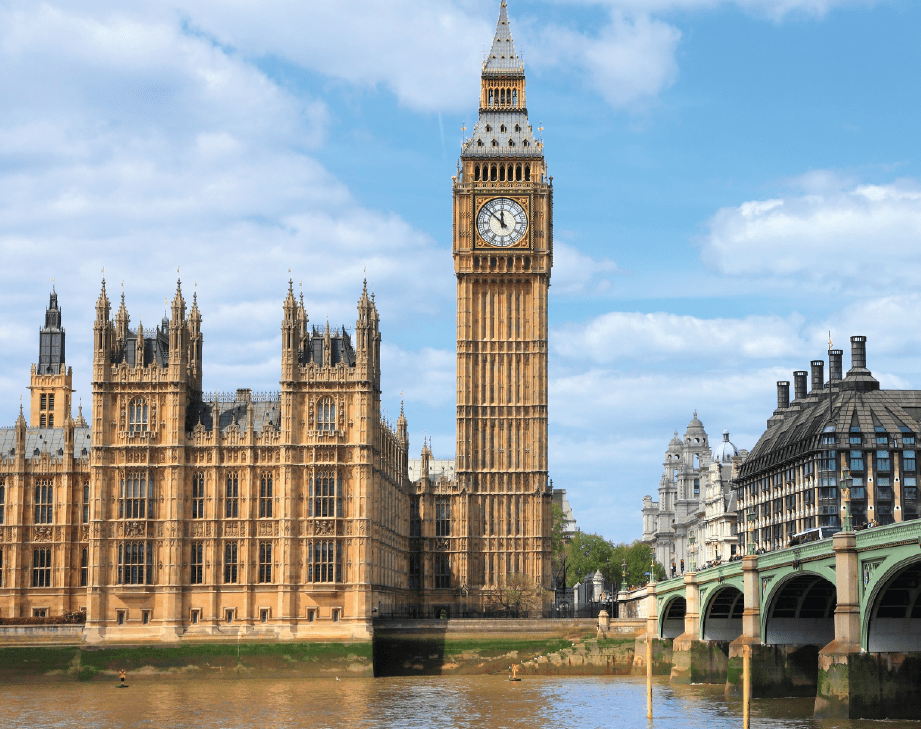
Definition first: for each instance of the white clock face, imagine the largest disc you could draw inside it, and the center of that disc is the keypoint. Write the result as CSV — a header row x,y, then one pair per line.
x,y
502,222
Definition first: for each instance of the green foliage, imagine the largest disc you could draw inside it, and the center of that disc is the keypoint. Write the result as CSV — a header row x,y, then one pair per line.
x,y
587,553
557,524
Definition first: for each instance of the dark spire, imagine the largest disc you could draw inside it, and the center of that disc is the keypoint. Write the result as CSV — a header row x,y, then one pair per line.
x,y
51,340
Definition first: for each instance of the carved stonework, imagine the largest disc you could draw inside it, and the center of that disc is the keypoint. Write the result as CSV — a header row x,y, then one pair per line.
x,y
265,529
324,528
42,534
135,529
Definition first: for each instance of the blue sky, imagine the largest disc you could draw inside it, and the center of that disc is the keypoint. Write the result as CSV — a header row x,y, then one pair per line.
x,y
732,180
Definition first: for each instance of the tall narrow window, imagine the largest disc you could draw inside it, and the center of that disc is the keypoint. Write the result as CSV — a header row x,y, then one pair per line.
x,y
883,462
2,500
44,502
51,401
197,563
908,461
41,568
137,415
50,420
442,571
326,414
198,496
324,559
324,493
415,519
136,501
415,572
135,563
230,563
265,561
232,497
856,460
265,496
43,421
86,502
442,518
84,567
44,402
1,567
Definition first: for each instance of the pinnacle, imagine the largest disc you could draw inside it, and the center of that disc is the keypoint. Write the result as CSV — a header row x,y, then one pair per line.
x,y
502,58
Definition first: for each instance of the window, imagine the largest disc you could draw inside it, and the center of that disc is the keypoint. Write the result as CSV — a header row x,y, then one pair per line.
x,y
790,502
50,420
908,438
881,437
856,460
325,496
311,615
44,403
195,616
857,489
136,500
326,414
84,567
696,486
442,518
86,502
135,563
337,613
855,438
442,571
121,617
265,561
910,488
41,568
883,463
828,435
827,460
197,562
229,615
1,567
883,489
232,497
230,563
198,496
137,415
145,617
324,562
2,500
415,572
909,462
44,506
42,421
265,496
263,615
415,518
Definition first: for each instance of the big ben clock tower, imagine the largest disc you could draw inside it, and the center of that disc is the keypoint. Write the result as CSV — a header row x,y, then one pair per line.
x,y
503,252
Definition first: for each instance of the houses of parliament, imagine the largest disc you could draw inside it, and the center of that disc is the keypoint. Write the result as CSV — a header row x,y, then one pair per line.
x,y
168,515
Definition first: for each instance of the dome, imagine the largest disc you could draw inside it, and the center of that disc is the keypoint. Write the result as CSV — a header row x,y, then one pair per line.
x,y
675,443
725,451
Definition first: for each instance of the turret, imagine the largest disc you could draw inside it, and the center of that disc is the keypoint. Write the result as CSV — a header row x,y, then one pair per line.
x,y
102,328
178,334
51,381
290,334
195,346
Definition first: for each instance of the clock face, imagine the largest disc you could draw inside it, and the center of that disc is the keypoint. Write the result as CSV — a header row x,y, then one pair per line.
x,y
502,222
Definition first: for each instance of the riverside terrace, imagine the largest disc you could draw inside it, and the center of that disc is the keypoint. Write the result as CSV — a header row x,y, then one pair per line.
x,y
840,617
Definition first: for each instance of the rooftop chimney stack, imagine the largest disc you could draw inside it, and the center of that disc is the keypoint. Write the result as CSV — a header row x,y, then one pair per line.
x,y
783,395
818,374
799,384
835,364
858,353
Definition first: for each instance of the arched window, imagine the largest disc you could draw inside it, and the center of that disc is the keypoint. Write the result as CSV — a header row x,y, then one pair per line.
x,y
494,173
265,496
502,173
514,97
502,128
476,172
511,142
326,414
525,143
232,496
44,502
2,500
137,415
490,97
527,173
198,496
495,143
518,173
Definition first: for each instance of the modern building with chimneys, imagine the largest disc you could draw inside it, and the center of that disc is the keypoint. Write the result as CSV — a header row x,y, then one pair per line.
x,y
791,481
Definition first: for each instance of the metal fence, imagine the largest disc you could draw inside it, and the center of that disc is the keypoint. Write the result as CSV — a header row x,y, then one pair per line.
x,y
443,612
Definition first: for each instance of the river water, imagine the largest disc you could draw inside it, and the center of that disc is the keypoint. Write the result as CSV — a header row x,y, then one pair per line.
x,y
398,703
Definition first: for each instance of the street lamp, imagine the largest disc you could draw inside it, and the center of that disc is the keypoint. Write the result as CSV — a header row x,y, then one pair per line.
x,y
624,582
691,541
751,531
846,483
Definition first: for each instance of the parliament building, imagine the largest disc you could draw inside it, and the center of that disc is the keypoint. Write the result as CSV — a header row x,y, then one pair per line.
x,y
291,514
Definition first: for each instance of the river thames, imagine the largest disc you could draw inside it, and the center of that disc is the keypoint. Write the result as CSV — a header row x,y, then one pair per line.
x,y
400,703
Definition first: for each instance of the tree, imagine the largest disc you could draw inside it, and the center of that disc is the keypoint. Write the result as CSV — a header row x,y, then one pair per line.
x,y
638,556
585,554
516,595
557,542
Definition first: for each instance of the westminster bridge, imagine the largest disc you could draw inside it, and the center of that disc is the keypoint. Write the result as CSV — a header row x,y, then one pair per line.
x,y
840,617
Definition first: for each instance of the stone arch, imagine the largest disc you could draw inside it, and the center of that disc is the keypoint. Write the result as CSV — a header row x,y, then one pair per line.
x,y
671,624
892,621
723,614
800,610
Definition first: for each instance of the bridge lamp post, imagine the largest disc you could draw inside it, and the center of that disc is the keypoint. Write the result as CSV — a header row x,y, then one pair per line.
x,y
846,483
624,577
691,541
751,531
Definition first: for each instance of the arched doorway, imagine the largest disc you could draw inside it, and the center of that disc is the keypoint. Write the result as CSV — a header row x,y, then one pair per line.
x,y
673,618
894,624
723,618
802,612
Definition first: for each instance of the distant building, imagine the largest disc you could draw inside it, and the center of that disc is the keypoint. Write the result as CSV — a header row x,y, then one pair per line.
x,y
569,520
791,480
695,500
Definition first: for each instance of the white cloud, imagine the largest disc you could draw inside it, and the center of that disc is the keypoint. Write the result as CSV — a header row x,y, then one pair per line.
x,y
862,235
578,274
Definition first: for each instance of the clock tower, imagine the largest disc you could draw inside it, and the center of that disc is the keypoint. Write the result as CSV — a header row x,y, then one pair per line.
x,y
503,253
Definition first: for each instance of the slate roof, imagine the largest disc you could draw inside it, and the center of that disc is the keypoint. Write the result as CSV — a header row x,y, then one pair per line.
x,y
503,60
44,440
266,414
510,143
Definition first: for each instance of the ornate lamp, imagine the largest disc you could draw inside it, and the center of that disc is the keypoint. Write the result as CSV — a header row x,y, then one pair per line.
x,y
845,483
691,541
751,531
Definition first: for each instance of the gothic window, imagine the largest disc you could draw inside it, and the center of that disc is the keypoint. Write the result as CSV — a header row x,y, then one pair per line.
x,y
2,500
495,143
86,502
44,503
476,172
442,517
265,562
43,402
415,572
136,498
696,487
442,571
265,496
502,173
1,567
518,173
326,414
493,173
526,143
502,128
84,567
515,101
511,142
490,104
232,497
230,563
137,415
42,421
415,519
197,562
50,420
41,568
324,561
198,496
325,496
135,563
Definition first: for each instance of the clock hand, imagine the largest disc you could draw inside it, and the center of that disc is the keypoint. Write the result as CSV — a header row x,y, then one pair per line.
x,y
502,219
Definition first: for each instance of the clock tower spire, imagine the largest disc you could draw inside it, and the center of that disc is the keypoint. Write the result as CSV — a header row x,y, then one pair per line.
x,y
503,253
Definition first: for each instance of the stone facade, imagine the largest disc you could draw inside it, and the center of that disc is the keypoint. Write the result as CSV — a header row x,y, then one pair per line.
x,y
695,501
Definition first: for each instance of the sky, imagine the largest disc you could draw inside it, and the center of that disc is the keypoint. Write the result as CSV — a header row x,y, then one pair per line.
x,y
733,180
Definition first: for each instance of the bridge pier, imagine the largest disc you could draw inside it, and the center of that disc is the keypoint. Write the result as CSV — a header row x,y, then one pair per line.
x,y
661,647
695,660
751,628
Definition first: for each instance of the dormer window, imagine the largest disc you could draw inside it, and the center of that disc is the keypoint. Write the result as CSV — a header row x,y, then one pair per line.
x,y
488,128
525,143
502,128
518,127
495,143
511,142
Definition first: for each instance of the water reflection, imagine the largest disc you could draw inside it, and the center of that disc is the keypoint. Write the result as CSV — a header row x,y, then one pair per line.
x,y
398,703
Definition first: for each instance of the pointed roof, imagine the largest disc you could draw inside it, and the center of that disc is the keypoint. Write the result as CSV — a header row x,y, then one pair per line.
x,y
502,59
